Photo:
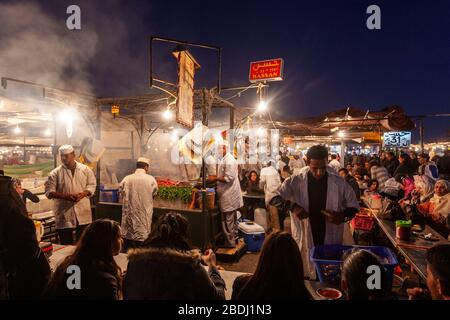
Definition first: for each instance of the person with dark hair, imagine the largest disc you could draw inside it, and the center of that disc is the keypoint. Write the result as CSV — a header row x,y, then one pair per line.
x,y
24,268
253,183
427,167
438,275
252,188
24,193
323,202
101,277
229,193
285,173
359,172
70,186
350,180
334,163
372,188
138,190
349,168
166,269
297,162
391,163
270,182
404,169
279,273
414,161
284,158
383,159
355,275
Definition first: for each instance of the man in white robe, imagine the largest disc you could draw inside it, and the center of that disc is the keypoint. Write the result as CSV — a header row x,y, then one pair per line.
x,y
229,193
138,190
323,204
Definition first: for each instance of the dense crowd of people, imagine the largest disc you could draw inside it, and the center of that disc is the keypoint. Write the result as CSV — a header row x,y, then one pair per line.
x,y
320,193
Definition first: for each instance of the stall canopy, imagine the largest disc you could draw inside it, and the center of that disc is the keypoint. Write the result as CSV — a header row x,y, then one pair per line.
x,y
352,120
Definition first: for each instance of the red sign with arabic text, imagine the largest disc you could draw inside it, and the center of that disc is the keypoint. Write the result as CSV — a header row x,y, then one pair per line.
x,y
266,70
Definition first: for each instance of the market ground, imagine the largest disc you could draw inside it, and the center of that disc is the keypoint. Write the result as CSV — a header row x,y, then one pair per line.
x,y
247,263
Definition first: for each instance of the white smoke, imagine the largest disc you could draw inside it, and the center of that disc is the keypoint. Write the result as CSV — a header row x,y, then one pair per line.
x,y
34,46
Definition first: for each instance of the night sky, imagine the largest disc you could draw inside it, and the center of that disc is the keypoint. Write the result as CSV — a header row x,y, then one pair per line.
x,y
331,59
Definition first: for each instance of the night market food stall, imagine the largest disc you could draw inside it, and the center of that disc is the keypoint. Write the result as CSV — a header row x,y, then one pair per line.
x,y
109,134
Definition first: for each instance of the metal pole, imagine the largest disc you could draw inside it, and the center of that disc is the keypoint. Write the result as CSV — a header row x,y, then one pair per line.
x,y
342,153
55,160
205,215
98,136
381,142
151,62
24,150
421,135
219,79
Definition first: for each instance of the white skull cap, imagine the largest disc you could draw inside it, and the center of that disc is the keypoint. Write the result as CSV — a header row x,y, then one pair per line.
x,y
66,149
144,160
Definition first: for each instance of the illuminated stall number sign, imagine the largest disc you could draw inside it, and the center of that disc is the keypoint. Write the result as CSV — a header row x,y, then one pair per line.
x,y
397,139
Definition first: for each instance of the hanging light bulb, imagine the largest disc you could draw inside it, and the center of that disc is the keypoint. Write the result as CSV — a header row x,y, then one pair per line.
x,y
17,130
167,114
47,132
262,106
67,117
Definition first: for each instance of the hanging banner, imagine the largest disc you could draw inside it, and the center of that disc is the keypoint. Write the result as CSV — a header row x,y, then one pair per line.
x,y
185,100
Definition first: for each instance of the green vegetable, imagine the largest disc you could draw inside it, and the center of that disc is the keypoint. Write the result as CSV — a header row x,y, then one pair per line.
x,y
174,193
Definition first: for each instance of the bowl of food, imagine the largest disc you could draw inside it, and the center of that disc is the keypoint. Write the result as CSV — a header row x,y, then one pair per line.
x,y
329,293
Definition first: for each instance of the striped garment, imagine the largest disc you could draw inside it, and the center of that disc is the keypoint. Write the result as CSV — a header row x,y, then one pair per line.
x,y
380,174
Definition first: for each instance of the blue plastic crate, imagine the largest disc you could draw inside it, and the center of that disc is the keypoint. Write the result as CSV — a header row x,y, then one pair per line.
x,y
328,261
109,195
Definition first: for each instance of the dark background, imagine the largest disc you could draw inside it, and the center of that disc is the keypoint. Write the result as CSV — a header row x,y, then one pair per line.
x,y
331,59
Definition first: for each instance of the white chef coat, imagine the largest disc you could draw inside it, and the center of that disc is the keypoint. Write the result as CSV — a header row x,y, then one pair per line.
x,y
229,192
296,165
211,165
340,196
61,180
269,180
137,191
336,165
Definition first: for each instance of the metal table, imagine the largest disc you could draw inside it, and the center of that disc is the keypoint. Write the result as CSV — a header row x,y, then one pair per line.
x,y
413,250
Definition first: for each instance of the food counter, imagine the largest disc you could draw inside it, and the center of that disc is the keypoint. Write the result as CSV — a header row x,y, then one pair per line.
x,y
204,227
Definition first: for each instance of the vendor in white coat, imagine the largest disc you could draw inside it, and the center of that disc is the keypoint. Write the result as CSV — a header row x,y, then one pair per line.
x,y
270,182
324,202
70,186
229,193
334,163
138,190
296,163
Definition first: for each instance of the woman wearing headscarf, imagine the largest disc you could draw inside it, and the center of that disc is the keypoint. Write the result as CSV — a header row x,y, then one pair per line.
x,y
424,189
437,209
